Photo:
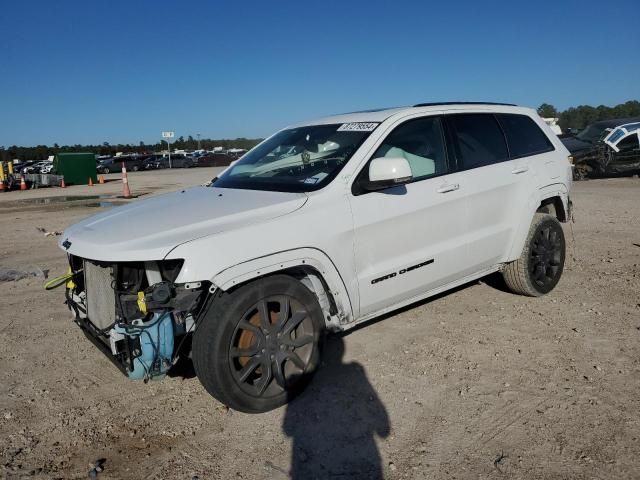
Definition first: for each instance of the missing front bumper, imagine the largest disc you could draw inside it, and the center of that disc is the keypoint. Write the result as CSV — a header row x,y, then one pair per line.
x,y
136,325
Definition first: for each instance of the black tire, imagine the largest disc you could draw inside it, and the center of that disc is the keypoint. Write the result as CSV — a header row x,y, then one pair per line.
x,y
135,168
106,170
280,357
540,266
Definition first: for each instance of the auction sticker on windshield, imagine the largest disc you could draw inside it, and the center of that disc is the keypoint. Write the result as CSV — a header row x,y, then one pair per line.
x,y
358,127
318,177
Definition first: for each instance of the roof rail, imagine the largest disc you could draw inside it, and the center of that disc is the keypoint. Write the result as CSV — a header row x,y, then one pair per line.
x,y
463,103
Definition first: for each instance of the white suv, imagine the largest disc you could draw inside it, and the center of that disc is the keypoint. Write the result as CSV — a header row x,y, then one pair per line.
x,y
322,226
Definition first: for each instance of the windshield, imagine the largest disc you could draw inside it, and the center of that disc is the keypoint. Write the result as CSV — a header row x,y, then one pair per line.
x,y
591,134
297,160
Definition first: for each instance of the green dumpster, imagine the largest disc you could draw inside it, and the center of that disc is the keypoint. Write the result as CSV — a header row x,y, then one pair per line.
x,y
76,168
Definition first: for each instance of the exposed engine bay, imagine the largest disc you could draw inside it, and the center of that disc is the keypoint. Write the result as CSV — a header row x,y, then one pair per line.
x,y
134,312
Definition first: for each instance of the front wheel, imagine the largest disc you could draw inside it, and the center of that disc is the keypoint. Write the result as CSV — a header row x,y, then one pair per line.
x,y
257,346
540,266
581,172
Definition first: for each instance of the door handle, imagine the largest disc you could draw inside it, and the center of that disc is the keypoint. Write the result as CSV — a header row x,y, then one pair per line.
x,y
516,171
448,188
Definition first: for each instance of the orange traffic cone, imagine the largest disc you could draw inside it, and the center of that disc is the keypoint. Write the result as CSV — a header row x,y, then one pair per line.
x,y
90,181
23,184
126,193
101,180
62,184
2,186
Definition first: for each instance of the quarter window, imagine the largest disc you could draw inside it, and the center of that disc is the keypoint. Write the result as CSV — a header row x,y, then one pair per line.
x,y
479,141
421,143
523,135
629,144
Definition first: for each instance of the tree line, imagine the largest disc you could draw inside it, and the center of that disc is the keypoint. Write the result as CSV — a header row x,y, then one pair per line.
x,y
583,115
41,152
573,117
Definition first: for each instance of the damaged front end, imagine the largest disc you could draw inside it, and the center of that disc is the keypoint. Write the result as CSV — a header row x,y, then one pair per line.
x,y
134,312
617,152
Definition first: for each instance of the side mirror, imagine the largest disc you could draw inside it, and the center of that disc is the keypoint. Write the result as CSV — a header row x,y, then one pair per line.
x,y
385,172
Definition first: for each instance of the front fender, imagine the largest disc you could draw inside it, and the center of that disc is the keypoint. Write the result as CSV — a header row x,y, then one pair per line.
x,y
300,257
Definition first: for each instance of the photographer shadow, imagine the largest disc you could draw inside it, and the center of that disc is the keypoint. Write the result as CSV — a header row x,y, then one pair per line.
x,y
335,421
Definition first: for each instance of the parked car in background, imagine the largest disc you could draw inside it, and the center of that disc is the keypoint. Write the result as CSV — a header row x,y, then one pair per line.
x,y
177,161
215,160
151,163
43,167
594,134
106,165
592,156
553,125
114,164
28,166
236,153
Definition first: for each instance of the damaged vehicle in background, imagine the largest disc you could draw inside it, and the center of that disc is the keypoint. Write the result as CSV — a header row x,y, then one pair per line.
x,y
594,156
322,226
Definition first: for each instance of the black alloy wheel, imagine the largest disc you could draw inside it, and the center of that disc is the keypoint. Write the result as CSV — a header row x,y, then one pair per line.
x,y
272,345
259,344
546,257
540,266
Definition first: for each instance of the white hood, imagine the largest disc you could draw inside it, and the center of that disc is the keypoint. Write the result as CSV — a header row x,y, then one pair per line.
x,y
150,229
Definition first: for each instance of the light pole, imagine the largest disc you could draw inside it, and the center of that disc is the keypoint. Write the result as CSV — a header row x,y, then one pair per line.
x,y
169,149
166,136
198,135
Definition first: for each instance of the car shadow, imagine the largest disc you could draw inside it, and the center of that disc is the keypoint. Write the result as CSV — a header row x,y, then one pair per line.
x,y
334,423
496,281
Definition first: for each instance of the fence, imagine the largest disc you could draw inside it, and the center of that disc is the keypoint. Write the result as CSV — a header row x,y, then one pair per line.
x,y
43,180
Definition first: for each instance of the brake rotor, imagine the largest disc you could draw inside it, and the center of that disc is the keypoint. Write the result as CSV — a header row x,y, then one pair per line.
x,y
247,337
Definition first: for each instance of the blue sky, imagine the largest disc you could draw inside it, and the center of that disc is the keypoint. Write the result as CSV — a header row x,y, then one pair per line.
x,y
122,71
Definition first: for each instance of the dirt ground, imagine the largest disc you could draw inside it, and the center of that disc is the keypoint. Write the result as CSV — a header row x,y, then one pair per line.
x,y
476,383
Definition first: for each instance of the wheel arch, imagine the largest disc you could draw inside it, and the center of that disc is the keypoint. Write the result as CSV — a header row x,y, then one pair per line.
x,y
310,266
552,199
554,205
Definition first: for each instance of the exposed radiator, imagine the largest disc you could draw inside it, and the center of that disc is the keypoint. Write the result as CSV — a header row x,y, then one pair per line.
x,y
101,298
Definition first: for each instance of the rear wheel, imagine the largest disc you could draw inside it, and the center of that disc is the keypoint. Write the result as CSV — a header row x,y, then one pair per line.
x,y
257,346
540,266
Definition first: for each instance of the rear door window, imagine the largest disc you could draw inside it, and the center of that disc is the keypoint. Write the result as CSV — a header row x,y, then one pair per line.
x,y
524,137
478,140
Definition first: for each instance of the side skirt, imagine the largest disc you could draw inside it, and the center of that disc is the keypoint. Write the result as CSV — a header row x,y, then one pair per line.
x,y
422,296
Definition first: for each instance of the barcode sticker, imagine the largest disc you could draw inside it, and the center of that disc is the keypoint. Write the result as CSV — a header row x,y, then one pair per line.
x,y
358,127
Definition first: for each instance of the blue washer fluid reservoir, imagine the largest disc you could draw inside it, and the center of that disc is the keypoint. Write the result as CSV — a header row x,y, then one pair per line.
x,y
156,346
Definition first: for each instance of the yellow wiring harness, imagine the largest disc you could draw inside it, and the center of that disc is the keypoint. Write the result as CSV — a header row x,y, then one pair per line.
x,y
56,282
